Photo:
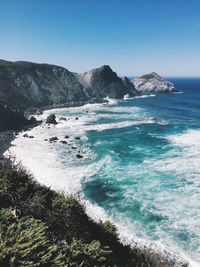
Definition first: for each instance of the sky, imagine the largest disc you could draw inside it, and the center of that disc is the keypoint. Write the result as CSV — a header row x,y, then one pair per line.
x,y
132,36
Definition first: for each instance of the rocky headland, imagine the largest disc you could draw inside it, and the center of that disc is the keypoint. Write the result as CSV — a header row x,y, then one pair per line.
x,y
37,85
153,83
28,84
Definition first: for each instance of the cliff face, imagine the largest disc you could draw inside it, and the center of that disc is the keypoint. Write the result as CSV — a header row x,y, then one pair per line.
x,y
34,85
105,82
131,90
153,83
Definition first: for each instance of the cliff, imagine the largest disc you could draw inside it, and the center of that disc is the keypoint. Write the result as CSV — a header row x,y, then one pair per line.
x,y
31,84
105,82
35,85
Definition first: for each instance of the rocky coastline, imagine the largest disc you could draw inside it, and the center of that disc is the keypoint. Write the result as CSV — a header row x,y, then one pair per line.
x,y
32,85
153,83
92,82
145,255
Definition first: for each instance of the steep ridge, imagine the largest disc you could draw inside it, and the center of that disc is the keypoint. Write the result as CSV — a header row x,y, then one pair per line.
x,y
106,82
35,85
31,84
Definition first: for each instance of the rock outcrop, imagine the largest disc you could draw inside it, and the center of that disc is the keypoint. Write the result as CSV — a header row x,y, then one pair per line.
x,y
153,83
131,90
39,85
51,119
106,83
30,84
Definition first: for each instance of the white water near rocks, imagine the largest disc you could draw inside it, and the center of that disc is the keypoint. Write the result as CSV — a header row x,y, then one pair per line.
x,y
129,153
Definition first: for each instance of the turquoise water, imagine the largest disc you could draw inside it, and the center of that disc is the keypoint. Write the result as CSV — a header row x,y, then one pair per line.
x,y
152,174
141,163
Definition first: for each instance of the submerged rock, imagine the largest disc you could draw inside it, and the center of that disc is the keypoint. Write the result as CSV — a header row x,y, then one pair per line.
x,y
25,135
77,138
66,136
153,83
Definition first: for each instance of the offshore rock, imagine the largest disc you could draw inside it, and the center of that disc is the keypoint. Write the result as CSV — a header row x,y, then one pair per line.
x,y
51,119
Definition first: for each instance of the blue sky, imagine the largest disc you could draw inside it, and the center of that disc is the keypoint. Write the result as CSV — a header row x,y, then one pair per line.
x,y
132,36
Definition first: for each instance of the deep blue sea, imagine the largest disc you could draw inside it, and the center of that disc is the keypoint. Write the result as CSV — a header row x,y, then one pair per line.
x,y
141,164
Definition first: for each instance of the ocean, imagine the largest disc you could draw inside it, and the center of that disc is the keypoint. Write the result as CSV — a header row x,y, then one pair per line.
x,y
140,165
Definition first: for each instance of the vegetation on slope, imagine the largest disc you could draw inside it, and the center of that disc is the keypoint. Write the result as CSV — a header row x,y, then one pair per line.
x,y
39,227
13,118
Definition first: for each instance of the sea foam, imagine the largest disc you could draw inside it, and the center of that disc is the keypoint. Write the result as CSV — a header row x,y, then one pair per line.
x,y
56,165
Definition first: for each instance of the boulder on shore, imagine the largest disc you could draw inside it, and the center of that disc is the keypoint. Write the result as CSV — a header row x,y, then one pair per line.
x,y
51,119
53,139
63,142
79,156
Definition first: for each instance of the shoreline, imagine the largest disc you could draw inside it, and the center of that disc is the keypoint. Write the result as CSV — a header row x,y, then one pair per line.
x,y
7,136
39,110
149,252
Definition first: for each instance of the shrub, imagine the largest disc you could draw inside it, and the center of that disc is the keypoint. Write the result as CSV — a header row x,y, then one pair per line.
x,y
13,118
109,227
46,227
87,255
16,183
69,218
24,242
